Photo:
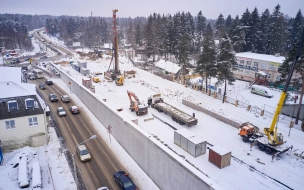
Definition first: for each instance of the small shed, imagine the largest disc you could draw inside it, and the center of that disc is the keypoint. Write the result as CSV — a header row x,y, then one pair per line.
x,y
85,71
87,82
219,156
190,142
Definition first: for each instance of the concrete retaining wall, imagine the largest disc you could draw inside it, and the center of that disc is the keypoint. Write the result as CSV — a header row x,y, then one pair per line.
x,y
212,114
166,169
292,110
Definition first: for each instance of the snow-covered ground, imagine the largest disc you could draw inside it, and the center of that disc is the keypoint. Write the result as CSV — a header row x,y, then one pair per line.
x,y
285,168
55,171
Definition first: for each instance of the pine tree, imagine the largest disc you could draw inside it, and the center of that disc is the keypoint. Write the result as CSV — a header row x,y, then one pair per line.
x,y
246,24
297,25
277,31
226,63
206,64
220,26
200,29
255,32
228,26
285,68
238,35
265,22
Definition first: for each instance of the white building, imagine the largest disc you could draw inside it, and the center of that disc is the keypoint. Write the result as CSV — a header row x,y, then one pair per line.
x,y
22,119
248,64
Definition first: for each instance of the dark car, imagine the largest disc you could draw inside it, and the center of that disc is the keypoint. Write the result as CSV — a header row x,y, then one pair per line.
x,y
74,109
53,98
42,86
124,181
49,82
43,57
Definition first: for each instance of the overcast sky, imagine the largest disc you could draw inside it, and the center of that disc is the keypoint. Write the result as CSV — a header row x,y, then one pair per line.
x,y
132,8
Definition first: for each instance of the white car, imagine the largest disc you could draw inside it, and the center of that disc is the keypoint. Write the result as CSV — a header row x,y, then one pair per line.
x,y
83,153
61,111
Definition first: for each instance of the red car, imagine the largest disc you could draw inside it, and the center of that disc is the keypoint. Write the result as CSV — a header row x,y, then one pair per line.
x,y
74,109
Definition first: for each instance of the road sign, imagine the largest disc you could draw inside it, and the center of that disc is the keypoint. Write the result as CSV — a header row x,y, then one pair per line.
x,y
109,129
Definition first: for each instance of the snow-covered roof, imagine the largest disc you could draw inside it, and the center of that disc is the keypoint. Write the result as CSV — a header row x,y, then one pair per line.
x,y
11,89
168,66
263,57
10,74
262,73
220,150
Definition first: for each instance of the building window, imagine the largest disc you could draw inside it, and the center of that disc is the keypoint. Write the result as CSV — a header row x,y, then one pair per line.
x,y
241,70
30,103
10,124
248,63
278,78
242,62
263,65
247,72
271,67
256,64
12,105
33,121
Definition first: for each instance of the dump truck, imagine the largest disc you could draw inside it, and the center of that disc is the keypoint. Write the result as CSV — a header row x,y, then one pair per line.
x,y
177,115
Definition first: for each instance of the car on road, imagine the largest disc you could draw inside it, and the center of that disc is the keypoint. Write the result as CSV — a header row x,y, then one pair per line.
x,y
42,86
124,181
49,82
74,109
61,112
31,76
53,98
103,188
83,153
43,57
65,98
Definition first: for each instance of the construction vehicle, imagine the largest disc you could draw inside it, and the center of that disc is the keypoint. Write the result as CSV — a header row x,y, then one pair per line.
x,y
136,105
115,74
177,115
96,79
119,81
154,99
272,142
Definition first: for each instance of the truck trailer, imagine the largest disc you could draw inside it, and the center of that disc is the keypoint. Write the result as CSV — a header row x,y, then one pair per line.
x,y
177,115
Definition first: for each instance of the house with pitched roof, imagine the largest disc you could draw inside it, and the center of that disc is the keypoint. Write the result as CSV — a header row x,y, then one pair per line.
x,y
22,118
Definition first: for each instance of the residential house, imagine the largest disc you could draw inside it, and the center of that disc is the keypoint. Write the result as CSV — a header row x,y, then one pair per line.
x,y
22,118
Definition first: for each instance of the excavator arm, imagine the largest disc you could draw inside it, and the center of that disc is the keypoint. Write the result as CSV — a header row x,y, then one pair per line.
x,y
275,138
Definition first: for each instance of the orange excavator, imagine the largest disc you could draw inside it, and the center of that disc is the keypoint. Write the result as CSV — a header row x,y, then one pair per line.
x,y
136,105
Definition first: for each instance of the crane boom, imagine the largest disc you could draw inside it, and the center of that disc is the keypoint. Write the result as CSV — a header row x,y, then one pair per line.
x,y
272,131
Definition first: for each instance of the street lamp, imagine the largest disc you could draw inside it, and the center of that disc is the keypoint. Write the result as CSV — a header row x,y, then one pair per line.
x,y
73,156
